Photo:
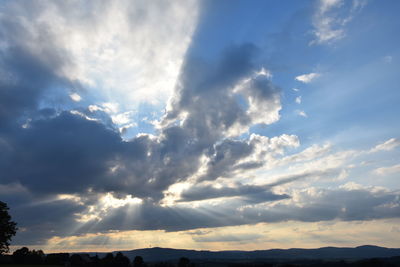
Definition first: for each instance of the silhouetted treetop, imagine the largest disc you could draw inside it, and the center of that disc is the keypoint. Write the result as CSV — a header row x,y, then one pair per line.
x,y
8,228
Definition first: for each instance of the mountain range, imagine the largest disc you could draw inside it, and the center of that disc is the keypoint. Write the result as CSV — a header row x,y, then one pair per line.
x,y
324,253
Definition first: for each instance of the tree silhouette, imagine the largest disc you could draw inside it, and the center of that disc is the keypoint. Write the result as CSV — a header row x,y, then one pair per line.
x,y
108,260
8,228
183,262
26,256
121,261
76,260
138,261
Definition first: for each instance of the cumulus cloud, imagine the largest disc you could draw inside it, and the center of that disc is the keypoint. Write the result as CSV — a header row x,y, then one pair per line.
x,y
231,156
307,78
80,152
67,170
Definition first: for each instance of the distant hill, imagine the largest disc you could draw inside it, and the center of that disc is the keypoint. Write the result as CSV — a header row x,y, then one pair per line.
x,y
325,253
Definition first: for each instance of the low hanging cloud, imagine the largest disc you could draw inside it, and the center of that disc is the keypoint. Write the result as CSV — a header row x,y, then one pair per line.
x,y
306,205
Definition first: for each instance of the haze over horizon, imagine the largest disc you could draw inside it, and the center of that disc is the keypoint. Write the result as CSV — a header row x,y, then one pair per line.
x,y
215,125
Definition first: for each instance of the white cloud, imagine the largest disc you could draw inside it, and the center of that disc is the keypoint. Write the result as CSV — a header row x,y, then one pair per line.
x,y
122,51
77,112
298,100
307,78
110,107
388,59
122,118
331,17
75,97
264,110
296,89
301,113
387,170
275,145
386,146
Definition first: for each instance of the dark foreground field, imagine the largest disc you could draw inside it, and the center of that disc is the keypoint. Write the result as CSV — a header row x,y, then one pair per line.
x,y
165,257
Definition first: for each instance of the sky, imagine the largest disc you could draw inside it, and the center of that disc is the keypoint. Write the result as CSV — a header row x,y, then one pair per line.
x,y
213,125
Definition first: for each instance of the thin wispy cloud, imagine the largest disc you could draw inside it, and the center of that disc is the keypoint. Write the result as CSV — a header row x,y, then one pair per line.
x,y
395,169
331,17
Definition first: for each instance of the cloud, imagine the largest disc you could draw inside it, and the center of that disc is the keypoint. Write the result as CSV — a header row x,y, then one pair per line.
x,y
230,156
388,59
387,170
66,170
386,146
118,51
306,205
301,113
310,153
255,193
41,220
316,174
32,71
228,238
75,97
331,17
298,100
307,78
250,192
80,152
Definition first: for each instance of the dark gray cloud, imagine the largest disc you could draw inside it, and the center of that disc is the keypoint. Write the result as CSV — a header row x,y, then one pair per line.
x,y
310,206
47,218
24,78
41,220
323,204
224,156
64,154
249,192
253,193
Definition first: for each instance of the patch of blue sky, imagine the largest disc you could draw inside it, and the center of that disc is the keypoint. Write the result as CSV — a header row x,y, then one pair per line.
x,y
355,100
225,23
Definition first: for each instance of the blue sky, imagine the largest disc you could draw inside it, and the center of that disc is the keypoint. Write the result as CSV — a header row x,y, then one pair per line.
x,y
200,124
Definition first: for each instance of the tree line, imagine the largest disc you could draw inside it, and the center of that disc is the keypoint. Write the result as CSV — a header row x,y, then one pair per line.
x,y
38,257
